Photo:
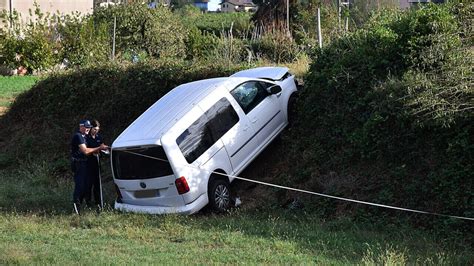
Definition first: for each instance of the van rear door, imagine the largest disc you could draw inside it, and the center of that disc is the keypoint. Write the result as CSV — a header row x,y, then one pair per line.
x,y
145,177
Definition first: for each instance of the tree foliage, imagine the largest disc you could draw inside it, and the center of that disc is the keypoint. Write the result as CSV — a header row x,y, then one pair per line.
x,y
33,46
155,30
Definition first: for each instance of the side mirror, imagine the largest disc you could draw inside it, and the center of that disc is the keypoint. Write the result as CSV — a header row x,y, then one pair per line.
x,y
274,89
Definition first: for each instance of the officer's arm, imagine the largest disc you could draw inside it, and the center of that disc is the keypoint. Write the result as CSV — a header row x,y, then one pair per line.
x,y
83,148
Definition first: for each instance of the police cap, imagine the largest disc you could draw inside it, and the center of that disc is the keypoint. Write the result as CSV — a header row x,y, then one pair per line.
x,y
85,123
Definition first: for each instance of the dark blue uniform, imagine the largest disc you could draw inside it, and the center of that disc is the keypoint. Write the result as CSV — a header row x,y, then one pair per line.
x,y
93,180
79,165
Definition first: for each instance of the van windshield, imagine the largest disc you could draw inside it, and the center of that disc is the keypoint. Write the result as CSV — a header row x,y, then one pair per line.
x,y
140,163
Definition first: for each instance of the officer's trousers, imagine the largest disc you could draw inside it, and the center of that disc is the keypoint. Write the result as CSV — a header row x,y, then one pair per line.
x,y
93,181
80,180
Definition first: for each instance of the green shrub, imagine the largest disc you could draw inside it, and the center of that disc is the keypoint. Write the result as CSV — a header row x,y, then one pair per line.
x,y
304,25
84,42
188,12
390,105
157,31
463,13
200,45
229,50
238,22
276,46
8,46
33,46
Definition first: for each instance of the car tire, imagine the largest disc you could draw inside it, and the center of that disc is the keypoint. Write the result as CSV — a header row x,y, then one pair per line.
x,y
292,110
219,195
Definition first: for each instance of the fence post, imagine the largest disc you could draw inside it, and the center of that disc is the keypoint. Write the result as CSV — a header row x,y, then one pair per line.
x,y
113,40
320,36
11,15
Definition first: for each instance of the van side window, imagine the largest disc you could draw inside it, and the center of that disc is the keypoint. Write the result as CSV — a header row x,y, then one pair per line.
x,y
222,117
207,129
249,95
195,140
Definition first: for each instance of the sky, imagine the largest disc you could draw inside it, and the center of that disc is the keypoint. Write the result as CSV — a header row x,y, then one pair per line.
x,y
213,5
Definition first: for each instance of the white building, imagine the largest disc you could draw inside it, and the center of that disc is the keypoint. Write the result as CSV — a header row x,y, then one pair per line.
x,y
238,6
23,7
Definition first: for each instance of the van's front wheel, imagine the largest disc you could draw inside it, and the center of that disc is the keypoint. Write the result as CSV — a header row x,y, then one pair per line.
x,y
219,195
291,111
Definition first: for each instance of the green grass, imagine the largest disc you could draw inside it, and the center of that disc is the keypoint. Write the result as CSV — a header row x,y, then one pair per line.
x,y
10,87
37,227
234,238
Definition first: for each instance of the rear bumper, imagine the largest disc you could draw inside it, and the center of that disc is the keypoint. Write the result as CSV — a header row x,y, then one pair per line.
x,y
190,208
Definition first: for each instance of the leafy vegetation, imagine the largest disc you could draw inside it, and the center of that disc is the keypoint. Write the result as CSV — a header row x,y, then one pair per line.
x,y
386,116
216,23
157,31
87,40
31,47
276,46
83,41
141,33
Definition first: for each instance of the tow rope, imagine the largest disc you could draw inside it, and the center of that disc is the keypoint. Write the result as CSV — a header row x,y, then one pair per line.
x,y
311,192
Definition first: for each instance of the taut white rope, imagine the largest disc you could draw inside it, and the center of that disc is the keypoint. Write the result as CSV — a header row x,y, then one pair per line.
x,y
314,193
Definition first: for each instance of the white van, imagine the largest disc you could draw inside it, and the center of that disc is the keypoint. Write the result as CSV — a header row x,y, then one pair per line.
x,y
176,157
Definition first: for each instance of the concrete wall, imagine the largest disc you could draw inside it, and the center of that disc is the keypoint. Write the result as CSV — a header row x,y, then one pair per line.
x,y
410,3
51,6
404,4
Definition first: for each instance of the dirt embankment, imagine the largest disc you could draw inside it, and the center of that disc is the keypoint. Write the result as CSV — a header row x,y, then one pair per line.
x,y
3,110
265,168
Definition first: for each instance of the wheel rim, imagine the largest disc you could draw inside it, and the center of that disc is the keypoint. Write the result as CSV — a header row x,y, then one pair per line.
x,y
222,196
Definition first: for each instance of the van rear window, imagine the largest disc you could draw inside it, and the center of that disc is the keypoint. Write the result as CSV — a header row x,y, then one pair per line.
x,y
138,163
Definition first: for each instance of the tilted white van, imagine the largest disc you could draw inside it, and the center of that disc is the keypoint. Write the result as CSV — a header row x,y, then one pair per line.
x,y
178,155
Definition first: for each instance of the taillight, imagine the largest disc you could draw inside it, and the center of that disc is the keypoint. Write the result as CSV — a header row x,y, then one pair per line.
x,y
181,185
119,195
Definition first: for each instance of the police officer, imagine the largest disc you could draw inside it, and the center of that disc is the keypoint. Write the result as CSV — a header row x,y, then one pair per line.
x,y
79,152
93,140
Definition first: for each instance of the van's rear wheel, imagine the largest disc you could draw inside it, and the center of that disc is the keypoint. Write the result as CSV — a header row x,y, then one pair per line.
x,y
219,195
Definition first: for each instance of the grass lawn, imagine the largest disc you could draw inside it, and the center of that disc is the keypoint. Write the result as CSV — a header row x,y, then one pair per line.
x,y
37,227
11,86
235,238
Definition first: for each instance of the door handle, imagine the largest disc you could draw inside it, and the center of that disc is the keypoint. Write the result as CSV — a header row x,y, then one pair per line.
x,y
246,127
254,120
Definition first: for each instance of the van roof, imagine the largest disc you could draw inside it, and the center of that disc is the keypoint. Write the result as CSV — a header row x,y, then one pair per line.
x,y
148,128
